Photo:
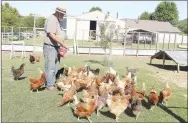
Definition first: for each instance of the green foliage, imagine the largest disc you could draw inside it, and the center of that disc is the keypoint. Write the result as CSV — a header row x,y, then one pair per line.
x,y
182,25
11,17
95,8
167,11
145,16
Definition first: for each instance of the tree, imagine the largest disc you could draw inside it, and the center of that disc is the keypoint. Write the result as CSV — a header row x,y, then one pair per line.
x,y
40,22
10,16
107,32
167,11
145,16
95,8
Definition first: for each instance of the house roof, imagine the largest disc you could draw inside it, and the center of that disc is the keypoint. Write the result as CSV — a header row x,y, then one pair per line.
x,y
151,25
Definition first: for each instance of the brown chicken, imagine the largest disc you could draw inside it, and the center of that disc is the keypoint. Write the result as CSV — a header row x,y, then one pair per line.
x,y
153,98
164,94
35,84
32,59
86,109
37,58
68,95
17,72
141,93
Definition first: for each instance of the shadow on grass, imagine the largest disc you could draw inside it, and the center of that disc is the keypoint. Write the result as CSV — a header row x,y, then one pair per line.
x,y
170,112
21,78
95,62
108,114
178,107
170,67
129,112
145,104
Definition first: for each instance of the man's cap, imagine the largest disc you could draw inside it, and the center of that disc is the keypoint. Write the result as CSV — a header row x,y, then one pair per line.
x,y
61,9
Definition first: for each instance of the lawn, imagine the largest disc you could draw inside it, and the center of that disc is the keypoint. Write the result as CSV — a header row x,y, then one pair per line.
x,y
20,105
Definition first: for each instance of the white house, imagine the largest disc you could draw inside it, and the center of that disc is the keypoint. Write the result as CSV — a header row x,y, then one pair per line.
x,y
90,21
85,23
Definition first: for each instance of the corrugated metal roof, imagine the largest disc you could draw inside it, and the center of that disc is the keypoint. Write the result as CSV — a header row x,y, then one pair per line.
x,y
151,25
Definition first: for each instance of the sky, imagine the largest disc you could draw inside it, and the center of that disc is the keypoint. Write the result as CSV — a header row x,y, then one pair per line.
x,y
125,9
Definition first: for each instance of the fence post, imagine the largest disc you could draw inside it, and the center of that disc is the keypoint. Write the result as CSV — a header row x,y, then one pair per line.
x,y
145,40
12,33
151,39
89,40
157,40
132,40
163,41
182,39
138,44
175,42
125,41
169,42
75,31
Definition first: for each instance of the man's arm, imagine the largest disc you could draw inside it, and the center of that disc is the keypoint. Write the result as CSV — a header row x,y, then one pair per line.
x,y
51,30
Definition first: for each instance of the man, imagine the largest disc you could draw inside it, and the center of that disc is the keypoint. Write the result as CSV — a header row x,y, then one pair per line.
x,y
51,45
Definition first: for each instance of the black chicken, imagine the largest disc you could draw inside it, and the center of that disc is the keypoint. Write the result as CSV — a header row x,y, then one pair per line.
x,y
17,72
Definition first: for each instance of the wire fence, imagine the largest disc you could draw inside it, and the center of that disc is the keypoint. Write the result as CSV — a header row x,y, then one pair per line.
x,y
138,40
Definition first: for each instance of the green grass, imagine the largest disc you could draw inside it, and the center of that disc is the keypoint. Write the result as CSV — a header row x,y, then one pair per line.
x,y
82,43
20,105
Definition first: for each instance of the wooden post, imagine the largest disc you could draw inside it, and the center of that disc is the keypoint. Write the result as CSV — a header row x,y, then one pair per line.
x,y
145,41
124,46
178,68
151,40
132,40
182,39
163,59
89,41
175,42
163,41
169,42
75,32
157,36
138,44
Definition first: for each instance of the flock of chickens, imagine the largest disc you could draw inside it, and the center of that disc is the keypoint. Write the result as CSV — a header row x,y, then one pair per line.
x,y
99,91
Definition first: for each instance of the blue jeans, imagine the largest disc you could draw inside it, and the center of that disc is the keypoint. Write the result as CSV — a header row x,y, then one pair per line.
x,y
52,63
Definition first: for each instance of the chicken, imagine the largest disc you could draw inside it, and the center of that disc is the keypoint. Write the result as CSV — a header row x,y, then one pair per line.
x,y
133,71
94,71
100,80
164,94
101,102
111,74
60,72
36,83
68,95
17,72
32,59
141,93
153,98
37,58
118,106
136,106
62,86
91,91
86,109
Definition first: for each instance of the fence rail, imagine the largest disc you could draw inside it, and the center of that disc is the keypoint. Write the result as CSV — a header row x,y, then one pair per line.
x,y
91,39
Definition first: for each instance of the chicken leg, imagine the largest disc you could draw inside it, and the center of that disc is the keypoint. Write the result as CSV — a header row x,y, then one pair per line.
x,y
137,115
89,119
117,119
